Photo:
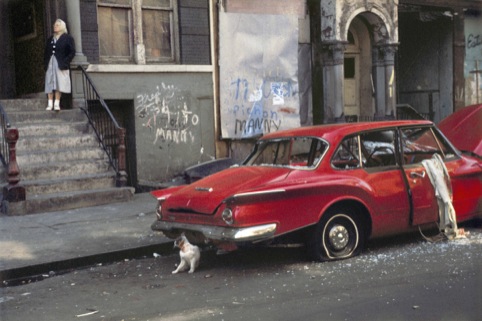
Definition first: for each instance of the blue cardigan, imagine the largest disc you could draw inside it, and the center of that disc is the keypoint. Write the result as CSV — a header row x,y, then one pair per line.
x,y
63,49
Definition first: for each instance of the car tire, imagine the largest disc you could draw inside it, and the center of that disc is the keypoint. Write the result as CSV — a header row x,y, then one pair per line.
x,y
337,236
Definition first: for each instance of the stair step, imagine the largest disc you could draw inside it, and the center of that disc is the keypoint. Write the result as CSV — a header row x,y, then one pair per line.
x,y
70,200
32,104
34,143
69,184
62,169
62,165
53,129
60,155
33,117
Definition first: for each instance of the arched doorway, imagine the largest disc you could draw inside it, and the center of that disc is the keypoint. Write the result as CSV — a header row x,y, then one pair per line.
x,y
351,71
358,84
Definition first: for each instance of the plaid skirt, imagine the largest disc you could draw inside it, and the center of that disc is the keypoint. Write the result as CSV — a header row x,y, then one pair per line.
x,y
56,79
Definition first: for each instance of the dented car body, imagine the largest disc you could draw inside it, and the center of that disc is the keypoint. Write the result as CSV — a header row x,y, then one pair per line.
x,y
330,186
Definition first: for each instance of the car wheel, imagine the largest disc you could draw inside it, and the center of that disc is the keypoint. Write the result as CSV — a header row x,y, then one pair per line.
x,y
337,236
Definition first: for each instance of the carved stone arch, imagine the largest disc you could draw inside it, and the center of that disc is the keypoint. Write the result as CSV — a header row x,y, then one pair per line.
x,y
383,25
374,86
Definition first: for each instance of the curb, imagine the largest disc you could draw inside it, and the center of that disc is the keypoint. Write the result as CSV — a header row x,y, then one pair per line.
x,y
38,272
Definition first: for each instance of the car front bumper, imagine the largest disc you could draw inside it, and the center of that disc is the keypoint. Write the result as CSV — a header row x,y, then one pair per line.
x,y
219,233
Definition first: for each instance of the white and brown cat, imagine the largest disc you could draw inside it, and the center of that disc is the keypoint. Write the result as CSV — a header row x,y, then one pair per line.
x,y
189,253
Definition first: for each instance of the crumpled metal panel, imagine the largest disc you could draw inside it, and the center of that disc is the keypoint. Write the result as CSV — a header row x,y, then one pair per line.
x,y
258,74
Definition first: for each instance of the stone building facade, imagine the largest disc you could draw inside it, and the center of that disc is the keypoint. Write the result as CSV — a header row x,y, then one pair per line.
x,y
196,80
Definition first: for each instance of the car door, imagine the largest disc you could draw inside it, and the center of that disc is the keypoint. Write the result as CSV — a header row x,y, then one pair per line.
x,y
418,144
380,161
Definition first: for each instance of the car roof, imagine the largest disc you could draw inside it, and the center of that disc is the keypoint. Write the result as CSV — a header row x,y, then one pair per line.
x,y
330,131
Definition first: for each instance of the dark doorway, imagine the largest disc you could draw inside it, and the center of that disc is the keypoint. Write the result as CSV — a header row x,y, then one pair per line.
x,y
123,111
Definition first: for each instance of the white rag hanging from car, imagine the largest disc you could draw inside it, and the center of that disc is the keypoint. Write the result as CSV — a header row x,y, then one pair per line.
x,y
440,179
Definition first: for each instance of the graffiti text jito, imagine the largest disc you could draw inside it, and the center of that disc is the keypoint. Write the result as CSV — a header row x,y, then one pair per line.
x,y
166,112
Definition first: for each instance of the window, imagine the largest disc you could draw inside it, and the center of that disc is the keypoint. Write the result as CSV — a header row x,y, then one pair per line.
x,y
378,148
302,152
421,143
138,31
347,155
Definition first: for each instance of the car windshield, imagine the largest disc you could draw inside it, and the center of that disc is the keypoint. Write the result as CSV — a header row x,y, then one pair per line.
x,y
303,152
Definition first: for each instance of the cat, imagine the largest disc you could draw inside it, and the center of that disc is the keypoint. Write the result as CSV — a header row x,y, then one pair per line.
x,y
190,255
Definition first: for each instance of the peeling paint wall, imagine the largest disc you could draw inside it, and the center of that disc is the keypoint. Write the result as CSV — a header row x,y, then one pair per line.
x,y
173,115
473,58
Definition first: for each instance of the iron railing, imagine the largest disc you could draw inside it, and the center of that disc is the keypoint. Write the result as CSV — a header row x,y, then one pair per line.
x,y
5,123
111,136
13,191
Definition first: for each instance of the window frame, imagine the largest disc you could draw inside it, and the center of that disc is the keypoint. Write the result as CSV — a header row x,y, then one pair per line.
x,y
136,34
318,147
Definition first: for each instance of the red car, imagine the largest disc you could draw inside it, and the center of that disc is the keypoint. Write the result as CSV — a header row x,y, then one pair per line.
x,y
330,186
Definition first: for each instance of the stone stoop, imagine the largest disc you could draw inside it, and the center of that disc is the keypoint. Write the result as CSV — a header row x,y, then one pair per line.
x,y
62,165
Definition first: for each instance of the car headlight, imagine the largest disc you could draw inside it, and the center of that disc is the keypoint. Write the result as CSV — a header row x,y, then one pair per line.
x,y
228,216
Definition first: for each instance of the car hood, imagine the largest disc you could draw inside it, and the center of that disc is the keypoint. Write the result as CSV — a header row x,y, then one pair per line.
x,y
205,195
462,128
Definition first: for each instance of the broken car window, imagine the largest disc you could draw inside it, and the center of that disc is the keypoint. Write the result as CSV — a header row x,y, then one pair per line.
x,y
347,155
378,148
421,143
304,152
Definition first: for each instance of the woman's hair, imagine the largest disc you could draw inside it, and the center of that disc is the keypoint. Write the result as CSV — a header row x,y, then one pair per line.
x,y
63,26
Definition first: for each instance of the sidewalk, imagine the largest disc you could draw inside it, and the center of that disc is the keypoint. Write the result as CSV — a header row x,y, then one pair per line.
x,y
38,243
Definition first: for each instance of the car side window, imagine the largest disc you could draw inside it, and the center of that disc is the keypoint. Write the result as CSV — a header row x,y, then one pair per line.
x,y
272,153
421,143
303,152
306,151
347,154
378,148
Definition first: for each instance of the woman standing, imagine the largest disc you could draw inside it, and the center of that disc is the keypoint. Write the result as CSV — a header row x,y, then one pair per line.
x,y
59,52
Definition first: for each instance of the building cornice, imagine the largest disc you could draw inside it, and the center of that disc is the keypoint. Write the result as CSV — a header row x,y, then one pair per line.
x,y
119,68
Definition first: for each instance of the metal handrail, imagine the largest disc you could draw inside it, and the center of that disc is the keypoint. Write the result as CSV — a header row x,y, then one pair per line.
x,y
111,136
5,125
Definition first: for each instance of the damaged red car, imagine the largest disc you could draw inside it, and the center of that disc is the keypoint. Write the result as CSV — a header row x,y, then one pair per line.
x,y
330,186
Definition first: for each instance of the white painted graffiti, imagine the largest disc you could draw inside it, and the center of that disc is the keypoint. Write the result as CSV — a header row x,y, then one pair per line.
x,y
167,114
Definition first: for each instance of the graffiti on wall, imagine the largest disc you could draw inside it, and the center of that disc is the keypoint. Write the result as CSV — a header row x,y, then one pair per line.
x,y
474,41
258,82
167,114
258,106
473,60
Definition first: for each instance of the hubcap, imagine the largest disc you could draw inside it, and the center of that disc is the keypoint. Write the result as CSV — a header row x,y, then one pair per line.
x,y
338,237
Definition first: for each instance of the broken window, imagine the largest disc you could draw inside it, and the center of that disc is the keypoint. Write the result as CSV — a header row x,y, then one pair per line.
x,y
303,152
347,155
421,143
378,148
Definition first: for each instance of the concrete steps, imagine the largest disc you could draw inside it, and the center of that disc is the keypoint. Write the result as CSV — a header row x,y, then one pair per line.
x,y
62,165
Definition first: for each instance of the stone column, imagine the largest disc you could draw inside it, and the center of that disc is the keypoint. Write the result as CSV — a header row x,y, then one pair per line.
x,y
384,81
390,86
333,79
75,30
73,16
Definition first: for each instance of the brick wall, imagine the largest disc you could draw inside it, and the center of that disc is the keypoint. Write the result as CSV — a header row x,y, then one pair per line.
x,y
194,32
90,39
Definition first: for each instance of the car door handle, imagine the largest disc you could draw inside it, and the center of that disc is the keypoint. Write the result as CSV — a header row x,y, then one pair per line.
x,y
417,174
